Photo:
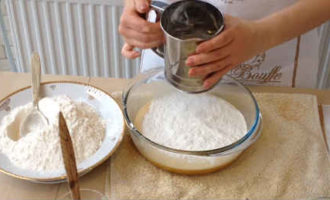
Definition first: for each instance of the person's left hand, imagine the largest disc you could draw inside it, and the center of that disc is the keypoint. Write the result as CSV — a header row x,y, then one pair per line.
x,y
240,41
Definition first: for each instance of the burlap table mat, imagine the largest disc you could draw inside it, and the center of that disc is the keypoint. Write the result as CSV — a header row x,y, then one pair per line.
x,y
289,161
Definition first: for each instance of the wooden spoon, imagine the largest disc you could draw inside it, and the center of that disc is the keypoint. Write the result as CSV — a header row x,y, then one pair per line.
x,y
69,158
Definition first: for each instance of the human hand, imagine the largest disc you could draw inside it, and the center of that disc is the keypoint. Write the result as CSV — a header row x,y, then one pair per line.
x,y
136,30
240,41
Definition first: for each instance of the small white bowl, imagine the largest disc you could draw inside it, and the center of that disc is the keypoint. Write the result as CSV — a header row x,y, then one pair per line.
x,y
102,102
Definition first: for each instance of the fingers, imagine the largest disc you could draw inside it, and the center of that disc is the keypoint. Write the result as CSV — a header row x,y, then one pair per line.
x,y
136,30
228,19
214,78
147,37
140,33
222,40
143,44
204,58
128,51
133,21
210,68
142,6
142,40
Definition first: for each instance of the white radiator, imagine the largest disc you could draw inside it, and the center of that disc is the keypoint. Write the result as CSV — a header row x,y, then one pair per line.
x,y
75,37
324,73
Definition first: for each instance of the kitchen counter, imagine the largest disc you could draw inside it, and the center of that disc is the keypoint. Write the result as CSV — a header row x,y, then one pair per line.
x,y
11,188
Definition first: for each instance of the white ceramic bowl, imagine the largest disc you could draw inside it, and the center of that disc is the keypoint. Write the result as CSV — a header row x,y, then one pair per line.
x,y
102,102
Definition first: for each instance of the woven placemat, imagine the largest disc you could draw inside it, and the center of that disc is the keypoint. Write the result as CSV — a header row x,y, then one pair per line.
x,y
289,161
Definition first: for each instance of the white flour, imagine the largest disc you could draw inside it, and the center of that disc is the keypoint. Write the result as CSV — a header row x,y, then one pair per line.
x,y
193,122
40,149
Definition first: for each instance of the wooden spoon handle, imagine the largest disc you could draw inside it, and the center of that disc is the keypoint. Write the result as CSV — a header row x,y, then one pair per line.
x,y
69,158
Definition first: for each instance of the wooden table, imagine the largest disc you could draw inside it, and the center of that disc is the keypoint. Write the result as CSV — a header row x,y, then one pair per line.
x,y
11,188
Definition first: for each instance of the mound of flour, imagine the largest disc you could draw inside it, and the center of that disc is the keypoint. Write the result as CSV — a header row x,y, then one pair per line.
x,y
192,122
40,149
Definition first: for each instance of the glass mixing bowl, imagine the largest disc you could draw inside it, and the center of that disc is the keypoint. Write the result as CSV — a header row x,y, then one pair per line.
x,y
151,85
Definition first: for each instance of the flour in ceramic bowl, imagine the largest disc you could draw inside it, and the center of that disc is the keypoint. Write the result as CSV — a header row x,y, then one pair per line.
x,y
40,149
191,121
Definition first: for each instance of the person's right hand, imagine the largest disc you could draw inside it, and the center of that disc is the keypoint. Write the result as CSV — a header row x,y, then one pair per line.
x,y
136,30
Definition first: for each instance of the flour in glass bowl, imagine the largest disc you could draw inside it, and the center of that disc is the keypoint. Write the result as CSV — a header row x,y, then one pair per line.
x,y
40,149
192,122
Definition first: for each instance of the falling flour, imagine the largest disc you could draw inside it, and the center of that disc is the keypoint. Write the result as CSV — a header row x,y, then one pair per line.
x,y
191,121
40,149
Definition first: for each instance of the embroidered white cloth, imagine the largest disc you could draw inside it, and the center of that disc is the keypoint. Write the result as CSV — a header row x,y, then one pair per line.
x,y
293,64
